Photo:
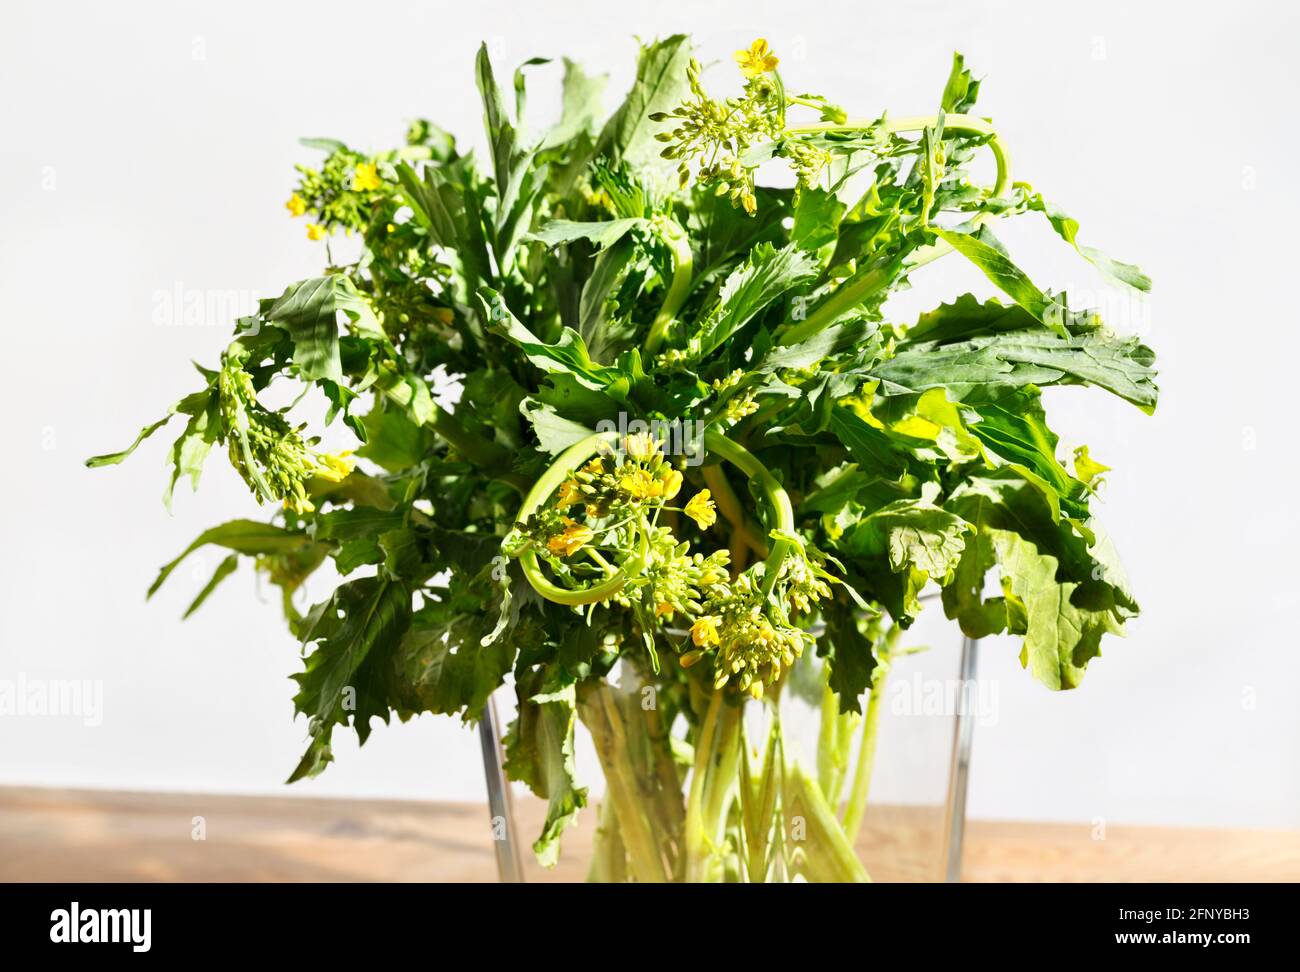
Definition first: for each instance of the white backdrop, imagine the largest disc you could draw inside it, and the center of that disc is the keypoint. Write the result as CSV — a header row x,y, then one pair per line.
x,y
149,152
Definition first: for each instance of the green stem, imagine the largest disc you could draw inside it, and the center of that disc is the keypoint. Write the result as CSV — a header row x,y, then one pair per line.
x,y
600,716
834,743
731,510
773,492
696,843
827,850
609,856
717,764
857,806
679,246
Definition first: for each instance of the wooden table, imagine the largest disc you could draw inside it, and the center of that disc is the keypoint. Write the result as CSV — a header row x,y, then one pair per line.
x,y
105,835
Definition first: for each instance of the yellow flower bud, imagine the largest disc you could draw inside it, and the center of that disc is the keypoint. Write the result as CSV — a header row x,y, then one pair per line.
x,y
672,483
642,447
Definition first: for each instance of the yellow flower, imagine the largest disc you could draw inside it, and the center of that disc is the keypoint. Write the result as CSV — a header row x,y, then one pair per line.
x,y
296,205
663,610
568,493
640,485
757,60
315,231
642,447
704,632
700,509
569,542
595,467
672,483
365,177
335,466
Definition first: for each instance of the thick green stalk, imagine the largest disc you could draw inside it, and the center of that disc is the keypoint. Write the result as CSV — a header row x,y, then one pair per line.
x,y
731,510
827,850
834,743
696,832
717,764
857,805
679,288
600,716
775,494
608,855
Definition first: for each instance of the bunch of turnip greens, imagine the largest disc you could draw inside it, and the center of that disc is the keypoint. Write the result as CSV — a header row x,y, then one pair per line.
x,y
637,267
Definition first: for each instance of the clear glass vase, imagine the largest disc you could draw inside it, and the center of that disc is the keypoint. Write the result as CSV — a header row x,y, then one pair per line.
x,y
786,789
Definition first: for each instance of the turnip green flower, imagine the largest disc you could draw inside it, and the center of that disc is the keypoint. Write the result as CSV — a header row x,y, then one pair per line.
x,y
573,539
365,178
758,59
701,510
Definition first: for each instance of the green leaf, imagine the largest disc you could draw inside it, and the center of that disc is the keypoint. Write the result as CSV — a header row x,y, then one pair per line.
x,y
113,458
660,85
1061,636
1024,357
346,676
568,355
850,656
871,447
224,570
393,440
308,310
241,536
982,249
444,667
1067,228
915,535
960,91
1062,585
761,279
539,753
580,105
555,433
603,234
1014,426
817,215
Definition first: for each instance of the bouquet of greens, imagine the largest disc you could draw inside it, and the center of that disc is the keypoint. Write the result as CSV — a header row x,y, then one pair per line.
x,y
689,444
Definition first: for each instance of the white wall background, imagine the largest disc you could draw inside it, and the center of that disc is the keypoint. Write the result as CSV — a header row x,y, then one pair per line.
x,y
151,148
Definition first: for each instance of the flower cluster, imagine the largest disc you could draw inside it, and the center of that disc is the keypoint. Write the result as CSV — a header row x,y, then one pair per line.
x,y
716,135
267,452
339,195
676,580
752,648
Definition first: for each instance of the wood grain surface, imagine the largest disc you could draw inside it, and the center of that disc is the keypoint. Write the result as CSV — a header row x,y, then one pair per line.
x,y
106,835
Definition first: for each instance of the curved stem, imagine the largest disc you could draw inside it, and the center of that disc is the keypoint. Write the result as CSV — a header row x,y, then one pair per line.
x,y
580,452
679,245
569,460
773,492
858,289
729,506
